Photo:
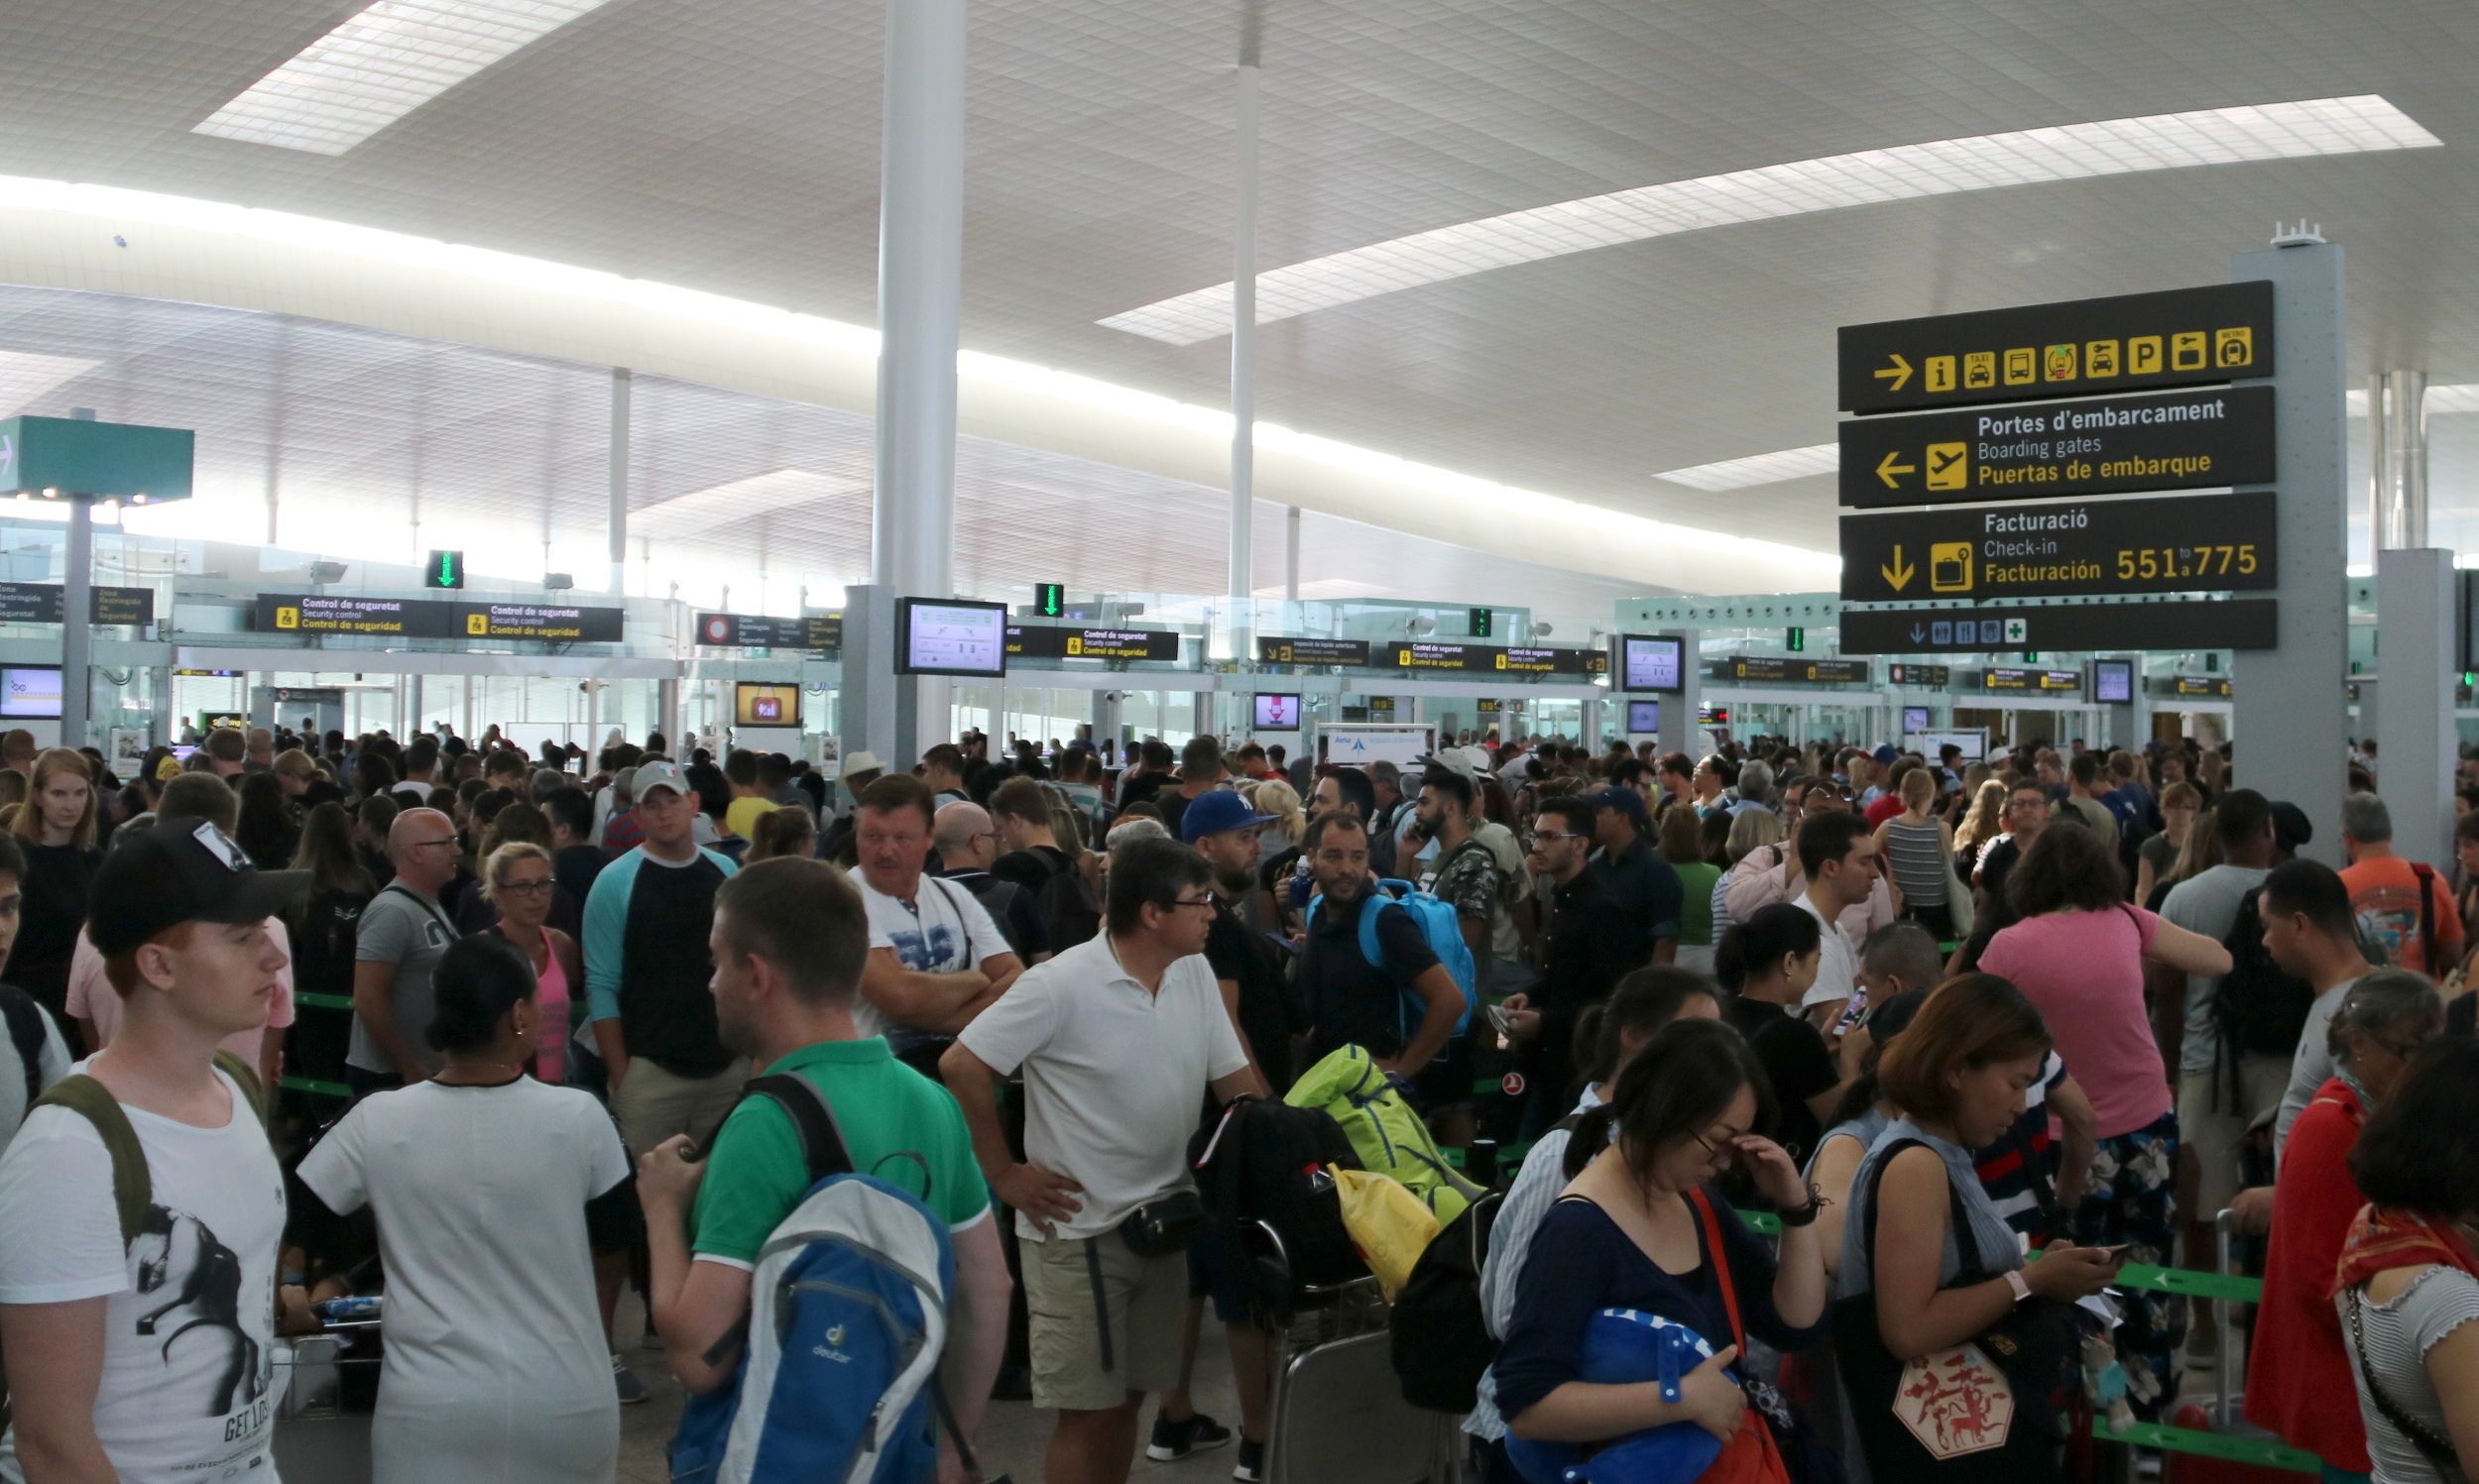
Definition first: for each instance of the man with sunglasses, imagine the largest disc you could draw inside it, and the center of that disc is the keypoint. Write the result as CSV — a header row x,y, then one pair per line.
x,y
1585,948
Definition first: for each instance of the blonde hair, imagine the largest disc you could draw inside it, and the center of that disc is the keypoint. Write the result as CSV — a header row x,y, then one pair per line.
x,y
1276,797
27,826
1986,821
494,866
292,763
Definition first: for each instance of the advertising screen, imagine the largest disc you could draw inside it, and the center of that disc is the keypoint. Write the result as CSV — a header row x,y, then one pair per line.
x,y
1643,715
30,692
947,638
1277,713
756,704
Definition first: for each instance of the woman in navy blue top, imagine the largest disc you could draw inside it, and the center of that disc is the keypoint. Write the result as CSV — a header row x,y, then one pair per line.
x,y
1627,1234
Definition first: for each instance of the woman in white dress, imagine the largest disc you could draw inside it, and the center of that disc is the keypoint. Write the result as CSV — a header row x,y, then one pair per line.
x,y
480,1177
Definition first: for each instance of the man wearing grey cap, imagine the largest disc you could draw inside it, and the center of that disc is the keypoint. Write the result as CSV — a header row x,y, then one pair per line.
x,y
153,1166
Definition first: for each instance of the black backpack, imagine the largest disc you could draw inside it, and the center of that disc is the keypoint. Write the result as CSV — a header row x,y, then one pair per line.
x,y
1440,1329
1266,1162
1069,911
27,1032
2260,1009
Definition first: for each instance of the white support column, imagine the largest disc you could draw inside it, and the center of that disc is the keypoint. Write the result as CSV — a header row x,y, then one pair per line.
x,y
1291,554
618,520
920,269
1242,583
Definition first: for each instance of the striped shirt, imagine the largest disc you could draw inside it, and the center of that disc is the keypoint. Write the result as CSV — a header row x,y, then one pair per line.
x,y
1915,857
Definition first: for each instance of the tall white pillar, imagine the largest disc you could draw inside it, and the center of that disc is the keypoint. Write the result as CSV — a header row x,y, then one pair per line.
x,y
1243,364
618,520
2397,426
920,274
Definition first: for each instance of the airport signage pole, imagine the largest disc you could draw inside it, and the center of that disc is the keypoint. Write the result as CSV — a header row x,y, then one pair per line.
x,y
2287,717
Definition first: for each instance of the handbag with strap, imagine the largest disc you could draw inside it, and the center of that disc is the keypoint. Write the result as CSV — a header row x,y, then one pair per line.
x,y
1985,1411
1750,1457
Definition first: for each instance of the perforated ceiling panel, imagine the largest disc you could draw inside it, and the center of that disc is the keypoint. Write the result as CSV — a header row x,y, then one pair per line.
x,y
733,145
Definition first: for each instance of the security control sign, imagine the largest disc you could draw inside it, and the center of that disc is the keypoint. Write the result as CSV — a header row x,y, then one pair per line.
x,y
1309,651
2221,624
1784,669
1469,658
2018,678
2215,687
41,602
2181,337
558,622
2176,440
426,619
820,631
1028,642
2191,543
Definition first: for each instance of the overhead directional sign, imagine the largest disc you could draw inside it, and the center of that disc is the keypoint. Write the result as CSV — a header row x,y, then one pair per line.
x,y
2176,440
2185,545
41,602
1779,669
1033,641
2224,624
2022,678
2180,337
1425,654
1921,677
1311,651
2215,687
426,618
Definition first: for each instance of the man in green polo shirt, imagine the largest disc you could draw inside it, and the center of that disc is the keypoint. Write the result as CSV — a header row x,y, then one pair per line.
x,y
790,939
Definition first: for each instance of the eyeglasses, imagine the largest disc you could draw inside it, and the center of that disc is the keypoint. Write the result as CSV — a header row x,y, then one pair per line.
x,y
1206,903
1553,836
525,888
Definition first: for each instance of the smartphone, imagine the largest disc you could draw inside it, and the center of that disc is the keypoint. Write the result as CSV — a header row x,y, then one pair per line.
x,y
1497,1019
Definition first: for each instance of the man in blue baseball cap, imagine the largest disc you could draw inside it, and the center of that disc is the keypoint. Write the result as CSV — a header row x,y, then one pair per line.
x,y
1222,827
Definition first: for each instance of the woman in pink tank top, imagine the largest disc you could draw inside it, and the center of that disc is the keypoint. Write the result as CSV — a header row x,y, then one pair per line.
x,y
517,878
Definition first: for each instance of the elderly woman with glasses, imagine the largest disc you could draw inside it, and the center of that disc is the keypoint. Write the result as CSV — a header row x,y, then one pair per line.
x,y
517,878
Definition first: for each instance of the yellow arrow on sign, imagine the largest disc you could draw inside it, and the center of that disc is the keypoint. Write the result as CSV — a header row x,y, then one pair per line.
x,y
1886,469
1899,575
1898,376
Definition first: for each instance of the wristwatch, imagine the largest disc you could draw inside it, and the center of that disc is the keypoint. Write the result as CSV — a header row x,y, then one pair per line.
x,y
2014,1281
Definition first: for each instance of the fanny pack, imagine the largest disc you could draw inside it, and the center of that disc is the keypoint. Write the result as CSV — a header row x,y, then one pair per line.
x,y
1166,1223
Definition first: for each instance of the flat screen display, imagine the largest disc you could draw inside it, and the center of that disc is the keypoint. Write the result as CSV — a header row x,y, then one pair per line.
x,y
2113,681
943,636
30,692
1914,720
758,704
1277,713
1648,663
1643,715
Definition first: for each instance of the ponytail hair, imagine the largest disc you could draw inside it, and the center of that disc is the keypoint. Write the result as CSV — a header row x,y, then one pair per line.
x,y
478,981
1644,1001
1689,1076
1765,937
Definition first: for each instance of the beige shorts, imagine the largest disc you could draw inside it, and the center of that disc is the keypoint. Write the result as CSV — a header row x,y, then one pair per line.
x,y
1146,1299
2217,1135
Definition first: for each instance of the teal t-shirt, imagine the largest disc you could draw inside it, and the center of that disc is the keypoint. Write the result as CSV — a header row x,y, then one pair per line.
x,y
756,1175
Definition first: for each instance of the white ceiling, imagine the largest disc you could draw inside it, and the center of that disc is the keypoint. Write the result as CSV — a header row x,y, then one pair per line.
x,y
733,145
357,433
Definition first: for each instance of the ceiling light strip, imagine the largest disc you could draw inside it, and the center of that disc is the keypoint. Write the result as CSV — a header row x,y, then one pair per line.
x,y
1759,469
2111,146
381,66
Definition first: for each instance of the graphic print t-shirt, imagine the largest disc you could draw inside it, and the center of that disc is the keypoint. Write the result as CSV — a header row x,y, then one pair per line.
x,y
943,931
186,1393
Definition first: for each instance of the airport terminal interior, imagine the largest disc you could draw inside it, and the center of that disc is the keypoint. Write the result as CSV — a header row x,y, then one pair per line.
x,y
1950,519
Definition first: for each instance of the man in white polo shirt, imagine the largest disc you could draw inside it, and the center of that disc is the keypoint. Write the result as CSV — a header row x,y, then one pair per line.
x,y
1118,1038
1837,857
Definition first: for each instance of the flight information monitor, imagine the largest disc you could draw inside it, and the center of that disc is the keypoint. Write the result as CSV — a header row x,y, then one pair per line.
x,y
1643,715
2113,681
1650,663
30,692
946,636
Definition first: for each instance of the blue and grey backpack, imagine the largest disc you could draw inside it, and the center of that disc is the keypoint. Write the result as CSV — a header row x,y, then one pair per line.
x,y
838,1377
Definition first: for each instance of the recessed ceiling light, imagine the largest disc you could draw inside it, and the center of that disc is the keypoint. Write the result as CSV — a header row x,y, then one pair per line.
x,y
381,66
1758,469
2076,152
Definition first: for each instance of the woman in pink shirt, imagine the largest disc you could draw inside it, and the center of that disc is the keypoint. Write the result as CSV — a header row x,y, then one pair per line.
x,y
2078,954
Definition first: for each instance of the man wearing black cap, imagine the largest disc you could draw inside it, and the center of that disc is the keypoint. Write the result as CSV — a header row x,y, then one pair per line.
x,y
180,919
1644,885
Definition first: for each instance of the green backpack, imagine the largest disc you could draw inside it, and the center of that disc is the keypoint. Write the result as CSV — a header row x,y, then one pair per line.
x,y
133,1189
1384,1130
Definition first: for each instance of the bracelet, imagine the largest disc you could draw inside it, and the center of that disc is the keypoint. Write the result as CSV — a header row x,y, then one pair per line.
x,y
1805,1215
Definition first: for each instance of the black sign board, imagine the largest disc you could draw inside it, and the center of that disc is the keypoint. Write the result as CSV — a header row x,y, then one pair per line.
x,y
2180,337
41,602
2225,623
1422,654
2194,686
423,619
2019,678
1792,669
1920,677
1282,651
2177,440
1030,642
820,631
2183,544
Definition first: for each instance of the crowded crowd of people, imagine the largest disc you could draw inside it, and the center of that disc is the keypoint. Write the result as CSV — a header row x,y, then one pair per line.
x,y
1970,1036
